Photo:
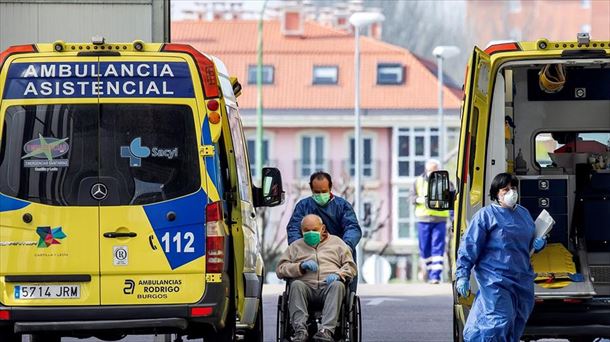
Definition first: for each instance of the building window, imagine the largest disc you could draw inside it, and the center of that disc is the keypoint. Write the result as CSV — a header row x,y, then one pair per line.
x,y
312,154
415,146
405,221
390,73
367,157
585,3
514,6
252,154
325,74
268,72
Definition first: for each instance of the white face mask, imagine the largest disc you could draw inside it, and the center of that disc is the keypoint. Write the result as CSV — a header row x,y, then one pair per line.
x,y
510,198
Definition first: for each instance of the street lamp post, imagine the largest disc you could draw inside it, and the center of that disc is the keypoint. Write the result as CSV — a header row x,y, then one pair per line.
x,y
359,20
258,143
441,53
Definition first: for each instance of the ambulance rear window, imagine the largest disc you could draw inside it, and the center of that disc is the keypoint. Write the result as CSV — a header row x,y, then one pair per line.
x,y
47,151
149,151
55,154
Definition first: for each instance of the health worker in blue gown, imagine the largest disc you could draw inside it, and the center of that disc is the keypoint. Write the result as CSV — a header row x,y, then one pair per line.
x,y
497,245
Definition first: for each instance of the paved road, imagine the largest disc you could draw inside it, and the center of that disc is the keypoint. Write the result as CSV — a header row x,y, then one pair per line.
x,y
414,312
411,313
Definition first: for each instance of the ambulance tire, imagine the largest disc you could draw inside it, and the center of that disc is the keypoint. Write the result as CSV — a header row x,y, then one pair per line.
x,y
583,339
228,332
458,329
9,336
256,333
45,338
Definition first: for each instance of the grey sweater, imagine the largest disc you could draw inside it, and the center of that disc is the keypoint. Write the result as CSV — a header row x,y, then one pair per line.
x,y
332,256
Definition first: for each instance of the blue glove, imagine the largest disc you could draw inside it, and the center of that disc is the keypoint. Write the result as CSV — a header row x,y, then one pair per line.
x,y
331,278
309,265
462,286
539,244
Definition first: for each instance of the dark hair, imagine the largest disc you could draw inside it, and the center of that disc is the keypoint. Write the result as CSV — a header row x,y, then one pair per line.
x,y
321,175
501,181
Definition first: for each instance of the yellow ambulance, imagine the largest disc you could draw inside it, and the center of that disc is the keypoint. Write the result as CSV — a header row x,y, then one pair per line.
x,y
541,110
126,201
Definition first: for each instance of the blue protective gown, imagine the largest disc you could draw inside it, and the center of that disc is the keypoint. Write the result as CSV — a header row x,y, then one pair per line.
x,y
497,244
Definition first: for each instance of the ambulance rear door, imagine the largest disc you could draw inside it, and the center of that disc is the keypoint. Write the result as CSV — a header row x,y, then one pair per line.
x,y
471,162
152,235
49,246
473,141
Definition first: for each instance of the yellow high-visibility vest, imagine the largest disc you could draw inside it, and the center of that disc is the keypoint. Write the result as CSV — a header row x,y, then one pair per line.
x,y
421,187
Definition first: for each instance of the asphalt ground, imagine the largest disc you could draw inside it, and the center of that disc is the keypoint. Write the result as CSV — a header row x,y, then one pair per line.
x,y
390,313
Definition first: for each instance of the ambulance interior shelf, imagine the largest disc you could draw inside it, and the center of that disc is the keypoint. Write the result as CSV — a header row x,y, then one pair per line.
x,y
562,266
593,210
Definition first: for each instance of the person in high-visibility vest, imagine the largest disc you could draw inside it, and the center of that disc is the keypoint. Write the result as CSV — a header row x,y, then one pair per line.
x,y
431,226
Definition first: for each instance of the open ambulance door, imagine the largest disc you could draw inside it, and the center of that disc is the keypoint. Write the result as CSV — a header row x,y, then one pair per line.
x,y
470,182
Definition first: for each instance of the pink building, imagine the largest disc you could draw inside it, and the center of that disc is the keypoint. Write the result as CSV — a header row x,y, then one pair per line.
x,y
309,116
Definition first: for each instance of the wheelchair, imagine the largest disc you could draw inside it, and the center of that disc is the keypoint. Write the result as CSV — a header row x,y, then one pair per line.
x,y
348,326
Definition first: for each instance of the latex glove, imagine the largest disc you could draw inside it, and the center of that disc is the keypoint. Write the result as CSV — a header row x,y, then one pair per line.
x,y
309,266
463,287
331,278
539,244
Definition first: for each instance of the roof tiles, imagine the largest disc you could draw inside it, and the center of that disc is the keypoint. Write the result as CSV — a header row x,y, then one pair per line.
x,y
293,58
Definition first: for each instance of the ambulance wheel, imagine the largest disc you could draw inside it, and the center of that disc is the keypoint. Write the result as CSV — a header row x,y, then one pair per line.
x,y
228,332
44,338
458,330
9,336
256,333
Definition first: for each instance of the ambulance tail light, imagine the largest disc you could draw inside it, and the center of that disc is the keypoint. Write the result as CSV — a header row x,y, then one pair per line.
x,y
5,315
15,50
572,300
502,47
213,105
207,70
215,238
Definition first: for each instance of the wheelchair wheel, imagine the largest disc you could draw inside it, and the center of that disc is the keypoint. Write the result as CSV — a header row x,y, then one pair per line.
x,y
282,321
354,320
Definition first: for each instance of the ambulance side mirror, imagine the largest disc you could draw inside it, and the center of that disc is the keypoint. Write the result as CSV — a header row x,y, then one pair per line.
x,y
272,193
440,195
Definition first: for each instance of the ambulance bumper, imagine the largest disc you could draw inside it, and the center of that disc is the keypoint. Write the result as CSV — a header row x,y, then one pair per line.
x,y
561,320
129,318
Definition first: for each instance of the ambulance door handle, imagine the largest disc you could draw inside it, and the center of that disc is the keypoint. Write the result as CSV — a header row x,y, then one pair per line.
x,y
113,235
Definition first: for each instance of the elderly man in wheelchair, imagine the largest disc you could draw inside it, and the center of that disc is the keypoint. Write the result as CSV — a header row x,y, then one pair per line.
x,y
318,267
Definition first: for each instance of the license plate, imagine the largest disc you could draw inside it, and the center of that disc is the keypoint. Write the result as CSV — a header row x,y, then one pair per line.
x,y
47,291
